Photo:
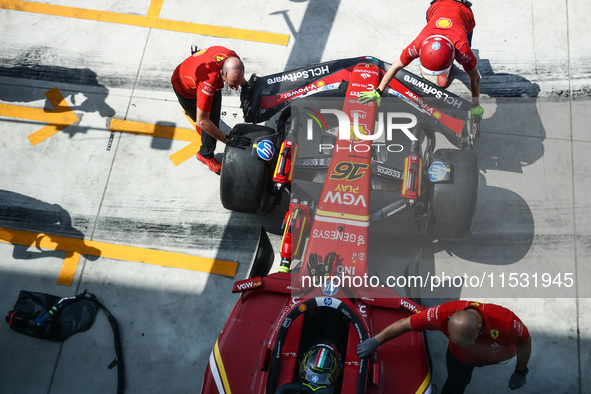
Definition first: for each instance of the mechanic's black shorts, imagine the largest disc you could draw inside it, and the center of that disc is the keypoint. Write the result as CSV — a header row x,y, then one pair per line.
x,y
189,105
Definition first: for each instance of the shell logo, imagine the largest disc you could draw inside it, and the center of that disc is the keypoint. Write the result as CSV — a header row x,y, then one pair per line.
x,y
320,84
437,115
361,130
443,23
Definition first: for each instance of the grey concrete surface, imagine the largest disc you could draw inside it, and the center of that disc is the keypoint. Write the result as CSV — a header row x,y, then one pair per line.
x,y
86,182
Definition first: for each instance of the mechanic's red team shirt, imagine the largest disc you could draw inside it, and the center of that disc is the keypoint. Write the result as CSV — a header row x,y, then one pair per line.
x,y
452,20
496,343
199,75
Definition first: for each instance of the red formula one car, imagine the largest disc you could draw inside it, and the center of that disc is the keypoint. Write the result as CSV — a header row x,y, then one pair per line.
x,y
297,330
304,111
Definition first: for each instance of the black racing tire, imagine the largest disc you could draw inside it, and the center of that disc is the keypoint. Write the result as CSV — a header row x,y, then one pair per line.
x,y
452,205
244,178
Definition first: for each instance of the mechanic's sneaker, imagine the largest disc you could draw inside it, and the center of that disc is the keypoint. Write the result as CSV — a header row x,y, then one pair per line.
x,y
210,162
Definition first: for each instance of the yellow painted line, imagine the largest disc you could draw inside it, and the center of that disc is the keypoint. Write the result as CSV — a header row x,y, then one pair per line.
x,y
69,268
155,8
75,246
186,153
219,31
150,21
154,130
161,131
61,117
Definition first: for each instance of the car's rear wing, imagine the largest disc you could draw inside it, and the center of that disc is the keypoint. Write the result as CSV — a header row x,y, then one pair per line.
x,y
265,96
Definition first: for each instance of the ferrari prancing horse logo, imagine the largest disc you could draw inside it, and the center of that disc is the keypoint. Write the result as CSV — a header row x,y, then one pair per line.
x,y
219,58
494,333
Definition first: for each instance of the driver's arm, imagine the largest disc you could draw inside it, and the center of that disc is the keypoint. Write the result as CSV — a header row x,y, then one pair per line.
x,y
207,125
393,330
474,84
523,353
394,68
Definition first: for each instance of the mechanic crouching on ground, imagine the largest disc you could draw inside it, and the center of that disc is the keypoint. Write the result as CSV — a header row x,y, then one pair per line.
x,y
447,36
479,334
197,82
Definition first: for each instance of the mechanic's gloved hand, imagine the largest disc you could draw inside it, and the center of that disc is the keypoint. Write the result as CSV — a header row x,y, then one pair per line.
x,y
313,264
330,261
476,111
237,141
372,95
518,379
367,348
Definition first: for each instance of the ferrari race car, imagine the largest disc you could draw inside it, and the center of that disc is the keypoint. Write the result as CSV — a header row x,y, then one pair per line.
x,y
440,186
297,330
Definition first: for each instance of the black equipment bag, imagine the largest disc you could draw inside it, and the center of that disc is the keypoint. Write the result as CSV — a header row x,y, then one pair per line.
x,y
46,316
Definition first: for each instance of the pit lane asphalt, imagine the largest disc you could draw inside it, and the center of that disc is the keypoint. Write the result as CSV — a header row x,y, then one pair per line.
x,y
113,188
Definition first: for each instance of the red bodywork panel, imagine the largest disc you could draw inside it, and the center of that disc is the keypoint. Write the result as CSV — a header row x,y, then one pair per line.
x,y
454,124
341,223
258,349
243,354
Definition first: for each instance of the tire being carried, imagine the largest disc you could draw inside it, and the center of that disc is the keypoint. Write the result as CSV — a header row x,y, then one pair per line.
x,y
245,178
453,204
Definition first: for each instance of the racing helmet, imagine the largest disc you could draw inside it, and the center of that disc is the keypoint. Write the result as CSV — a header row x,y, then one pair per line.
x,y
437,56
321,365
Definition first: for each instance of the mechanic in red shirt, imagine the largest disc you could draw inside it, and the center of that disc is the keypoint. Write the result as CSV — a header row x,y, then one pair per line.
x,y
197,82
479,334
447,36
